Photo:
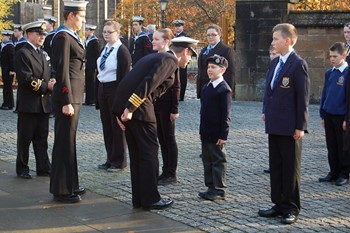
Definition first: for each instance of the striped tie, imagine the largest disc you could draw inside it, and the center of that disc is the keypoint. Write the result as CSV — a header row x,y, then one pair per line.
x,y
274,80
104,58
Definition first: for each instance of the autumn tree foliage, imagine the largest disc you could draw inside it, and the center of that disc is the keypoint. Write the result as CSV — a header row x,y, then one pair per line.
x,y
197,14
323,5
5,11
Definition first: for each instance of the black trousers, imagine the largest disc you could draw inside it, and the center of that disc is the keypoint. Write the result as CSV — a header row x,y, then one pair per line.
x,y
32,128
90,82
183,83
215,167
338,160
167,141
64,174
143,150
7,90
285,165
114,137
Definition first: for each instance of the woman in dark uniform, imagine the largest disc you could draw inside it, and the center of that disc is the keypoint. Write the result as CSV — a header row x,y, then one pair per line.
x,y
67,61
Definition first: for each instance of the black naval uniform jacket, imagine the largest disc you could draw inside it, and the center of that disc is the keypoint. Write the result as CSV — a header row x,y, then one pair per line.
x,y
20,44
33,75
67,52
92,47
140,47
7,64
222,50
47,43
144,84
7,56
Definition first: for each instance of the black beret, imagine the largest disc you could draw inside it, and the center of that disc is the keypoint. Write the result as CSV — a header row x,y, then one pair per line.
x,y
218,60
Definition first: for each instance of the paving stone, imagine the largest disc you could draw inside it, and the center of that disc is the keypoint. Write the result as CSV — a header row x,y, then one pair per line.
x,y
325,207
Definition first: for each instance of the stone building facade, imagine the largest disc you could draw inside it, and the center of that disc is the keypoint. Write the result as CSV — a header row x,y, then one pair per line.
x,y
318,30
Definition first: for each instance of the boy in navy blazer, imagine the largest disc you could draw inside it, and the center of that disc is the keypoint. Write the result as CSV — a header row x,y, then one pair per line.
x,y
215,120
285,112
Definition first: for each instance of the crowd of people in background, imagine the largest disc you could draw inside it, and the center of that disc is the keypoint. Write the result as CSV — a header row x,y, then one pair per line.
x,y
137,92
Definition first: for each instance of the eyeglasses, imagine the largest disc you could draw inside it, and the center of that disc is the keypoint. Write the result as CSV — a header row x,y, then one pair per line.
x,y
108,32
212,35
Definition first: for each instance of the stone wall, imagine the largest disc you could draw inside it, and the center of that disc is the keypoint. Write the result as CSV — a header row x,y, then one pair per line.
x,y
254,22
318,30
26,12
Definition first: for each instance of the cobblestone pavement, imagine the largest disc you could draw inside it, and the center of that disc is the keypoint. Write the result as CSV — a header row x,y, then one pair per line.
x,y
325,207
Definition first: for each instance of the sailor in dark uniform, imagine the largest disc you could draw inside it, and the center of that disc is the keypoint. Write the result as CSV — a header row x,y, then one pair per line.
x,y
179,31
92,47
34,87
141,45
68,62
50,29
148,80
20,39
20,42
7,69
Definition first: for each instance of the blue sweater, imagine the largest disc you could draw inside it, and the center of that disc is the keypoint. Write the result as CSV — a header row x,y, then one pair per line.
x,y
333,95
215,112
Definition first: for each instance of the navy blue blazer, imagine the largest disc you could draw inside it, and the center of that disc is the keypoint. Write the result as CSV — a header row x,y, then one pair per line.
x,y
286,106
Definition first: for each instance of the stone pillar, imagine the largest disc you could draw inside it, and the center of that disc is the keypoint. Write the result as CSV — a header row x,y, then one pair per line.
x,y
254,22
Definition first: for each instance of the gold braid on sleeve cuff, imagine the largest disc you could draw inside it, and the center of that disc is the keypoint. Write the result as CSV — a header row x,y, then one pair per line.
x,y
136,100
36,84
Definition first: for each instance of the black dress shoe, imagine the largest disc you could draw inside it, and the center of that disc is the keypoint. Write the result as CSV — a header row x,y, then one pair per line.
x,y
328,178
289,218
103,166
341,181
67,198
167,180
5,108
25,175
161,204
272,212
202,194
43,174
212,196
80,191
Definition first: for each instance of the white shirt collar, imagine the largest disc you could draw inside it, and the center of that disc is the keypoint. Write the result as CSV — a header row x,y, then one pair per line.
x,y
34,47
285,57
342,67
217,81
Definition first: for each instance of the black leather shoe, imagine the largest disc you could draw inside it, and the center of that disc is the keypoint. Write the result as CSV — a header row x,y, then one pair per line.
x,y
80,191
25,175
167,180
103,166
202,194
43,174
272,212
212,196
289,218
67,198
161,204
5,108
341,181
328,178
